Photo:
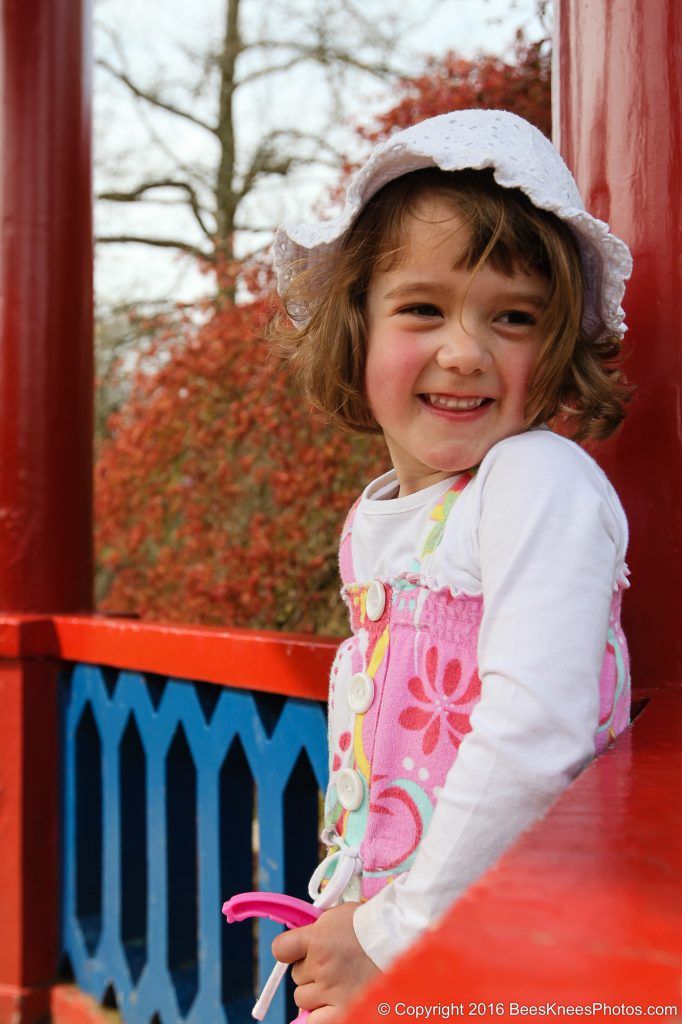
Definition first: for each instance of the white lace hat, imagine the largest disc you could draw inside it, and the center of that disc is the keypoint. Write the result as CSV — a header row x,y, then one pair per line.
x,y
520,156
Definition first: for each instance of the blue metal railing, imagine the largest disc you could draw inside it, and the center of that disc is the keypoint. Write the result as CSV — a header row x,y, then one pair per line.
x,y
176,795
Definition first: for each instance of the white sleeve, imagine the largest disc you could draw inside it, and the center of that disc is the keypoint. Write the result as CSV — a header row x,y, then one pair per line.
x,y
551,539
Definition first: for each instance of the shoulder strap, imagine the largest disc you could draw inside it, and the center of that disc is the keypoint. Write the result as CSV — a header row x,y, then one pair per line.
x,y
346,567
441,511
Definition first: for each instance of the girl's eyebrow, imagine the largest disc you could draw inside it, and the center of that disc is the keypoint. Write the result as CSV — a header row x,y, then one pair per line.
x,y
532,298
423,287
429,288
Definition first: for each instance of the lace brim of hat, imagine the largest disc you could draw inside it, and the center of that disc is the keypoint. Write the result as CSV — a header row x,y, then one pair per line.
x,y
520,157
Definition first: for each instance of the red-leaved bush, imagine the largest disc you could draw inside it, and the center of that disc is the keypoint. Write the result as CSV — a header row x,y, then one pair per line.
x,y
220,495
520,84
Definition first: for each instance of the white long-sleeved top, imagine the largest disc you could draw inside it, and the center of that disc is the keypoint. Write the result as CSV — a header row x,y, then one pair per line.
x,y
541,534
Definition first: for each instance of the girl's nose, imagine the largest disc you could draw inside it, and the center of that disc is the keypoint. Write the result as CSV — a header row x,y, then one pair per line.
x,y
461,349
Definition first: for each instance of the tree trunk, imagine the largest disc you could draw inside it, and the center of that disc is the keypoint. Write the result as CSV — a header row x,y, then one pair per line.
x,y
226,191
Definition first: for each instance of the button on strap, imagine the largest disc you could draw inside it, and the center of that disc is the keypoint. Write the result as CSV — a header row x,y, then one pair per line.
x,y
350,789
375,601
361,693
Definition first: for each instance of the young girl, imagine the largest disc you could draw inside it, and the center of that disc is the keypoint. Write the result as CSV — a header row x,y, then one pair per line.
x,y
466,306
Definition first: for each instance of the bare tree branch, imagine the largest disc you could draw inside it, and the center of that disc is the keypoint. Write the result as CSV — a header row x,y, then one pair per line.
x,y
193,172
425,13
317,54
273,69
266,159
133,195
253,229
264,162
136,195
150,97
318,141
164,243
369,26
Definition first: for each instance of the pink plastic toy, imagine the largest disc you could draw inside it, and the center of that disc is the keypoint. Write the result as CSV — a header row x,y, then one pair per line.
x,y
286,910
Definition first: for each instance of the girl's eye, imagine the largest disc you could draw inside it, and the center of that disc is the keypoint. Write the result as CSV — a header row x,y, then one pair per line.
x,y
422,309
516,318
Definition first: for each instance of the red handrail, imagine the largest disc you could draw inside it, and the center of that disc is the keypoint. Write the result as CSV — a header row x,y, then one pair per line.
x,y
288,663
586,907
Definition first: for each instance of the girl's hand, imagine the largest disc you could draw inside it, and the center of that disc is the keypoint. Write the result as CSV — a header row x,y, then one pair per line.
x,y
330,964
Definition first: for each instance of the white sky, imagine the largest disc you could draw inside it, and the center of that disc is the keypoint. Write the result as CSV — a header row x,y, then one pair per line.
x,y
163,39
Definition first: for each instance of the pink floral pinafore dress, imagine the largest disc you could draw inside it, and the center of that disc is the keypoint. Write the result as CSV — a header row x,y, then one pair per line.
x,y
402,690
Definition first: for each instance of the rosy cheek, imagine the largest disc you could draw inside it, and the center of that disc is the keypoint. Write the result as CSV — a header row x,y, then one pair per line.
x,y
401,362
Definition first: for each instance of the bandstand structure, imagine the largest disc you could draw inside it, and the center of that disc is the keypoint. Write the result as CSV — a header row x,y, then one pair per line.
x,y
134,757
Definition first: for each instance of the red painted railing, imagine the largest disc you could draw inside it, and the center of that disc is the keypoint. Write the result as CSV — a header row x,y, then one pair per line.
x,y
585,908
286,663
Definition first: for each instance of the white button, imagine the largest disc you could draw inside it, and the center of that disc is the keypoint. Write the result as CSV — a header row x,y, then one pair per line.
x,y
360,693
376,600
350,790
353,891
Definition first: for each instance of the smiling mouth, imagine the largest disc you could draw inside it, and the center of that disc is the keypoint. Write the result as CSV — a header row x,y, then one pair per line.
x,y
454,404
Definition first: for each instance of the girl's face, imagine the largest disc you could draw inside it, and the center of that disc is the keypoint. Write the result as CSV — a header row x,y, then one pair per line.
x,y
449,356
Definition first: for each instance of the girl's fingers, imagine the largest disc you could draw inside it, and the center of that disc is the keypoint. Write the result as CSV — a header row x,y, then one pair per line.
x,y
291,945
308,997
324,1015
301,973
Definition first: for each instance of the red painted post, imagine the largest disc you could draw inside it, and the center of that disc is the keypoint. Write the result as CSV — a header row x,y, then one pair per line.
x,y
28,839
45,307
618,122
45,450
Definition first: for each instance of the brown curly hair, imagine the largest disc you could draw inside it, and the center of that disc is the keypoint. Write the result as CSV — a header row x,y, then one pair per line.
x,y
577,382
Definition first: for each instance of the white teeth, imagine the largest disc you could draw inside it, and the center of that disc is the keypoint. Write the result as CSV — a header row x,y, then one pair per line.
x,y
443,402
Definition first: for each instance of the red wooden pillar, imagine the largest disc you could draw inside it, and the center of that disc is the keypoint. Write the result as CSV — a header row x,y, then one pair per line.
x,y
618,122
45,450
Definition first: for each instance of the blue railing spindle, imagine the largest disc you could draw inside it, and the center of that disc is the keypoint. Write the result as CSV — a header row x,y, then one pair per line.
x,y
179,742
